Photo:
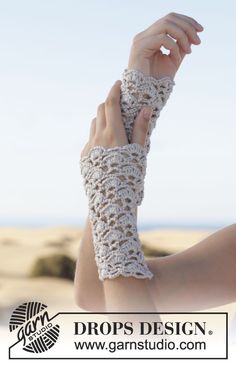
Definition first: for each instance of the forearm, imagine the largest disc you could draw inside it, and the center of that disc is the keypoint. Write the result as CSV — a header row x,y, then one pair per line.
x,y
132,294
89,293
128,294
136,90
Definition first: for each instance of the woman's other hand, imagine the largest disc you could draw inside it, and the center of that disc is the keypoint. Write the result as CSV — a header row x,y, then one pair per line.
x,y
107,128
176,33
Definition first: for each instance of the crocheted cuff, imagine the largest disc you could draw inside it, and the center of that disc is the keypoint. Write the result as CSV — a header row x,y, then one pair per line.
x,y
137,90
113,178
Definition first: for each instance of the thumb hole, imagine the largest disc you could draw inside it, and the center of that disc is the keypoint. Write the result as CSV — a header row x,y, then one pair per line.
x,y
141,124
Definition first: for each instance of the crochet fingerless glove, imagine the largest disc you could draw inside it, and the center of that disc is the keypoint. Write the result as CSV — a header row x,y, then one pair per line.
x,y
137,90
113,179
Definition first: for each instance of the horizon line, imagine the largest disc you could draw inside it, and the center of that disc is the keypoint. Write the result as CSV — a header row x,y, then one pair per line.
x,y
143,225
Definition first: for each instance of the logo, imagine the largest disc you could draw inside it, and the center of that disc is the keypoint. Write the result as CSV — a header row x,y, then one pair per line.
x,y
33,327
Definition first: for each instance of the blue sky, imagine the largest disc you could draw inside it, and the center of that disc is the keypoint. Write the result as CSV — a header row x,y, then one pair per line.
x,y
58,62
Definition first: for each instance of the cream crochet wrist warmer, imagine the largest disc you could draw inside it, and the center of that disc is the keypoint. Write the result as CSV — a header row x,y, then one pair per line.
x,y
113,179
137,90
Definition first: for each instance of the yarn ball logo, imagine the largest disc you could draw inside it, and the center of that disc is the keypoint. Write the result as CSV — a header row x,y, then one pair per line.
x,y
33,326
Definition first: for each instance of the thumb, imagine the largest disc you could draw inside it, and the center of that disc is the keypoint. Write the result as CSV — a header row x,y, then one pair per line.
x,y
141,125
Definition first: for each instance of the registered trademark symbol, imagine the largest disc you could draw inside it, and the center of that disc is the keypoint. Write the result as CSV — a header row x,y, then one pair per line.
x,y
210,332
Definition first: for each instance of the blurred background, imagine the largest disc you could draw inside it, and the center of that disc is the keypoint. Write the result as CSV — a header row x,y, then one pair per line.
x,y
58,61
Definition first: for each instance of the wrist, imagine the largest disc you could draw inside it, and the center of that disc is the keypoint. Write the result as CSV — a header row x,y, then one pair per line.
x,y
139,63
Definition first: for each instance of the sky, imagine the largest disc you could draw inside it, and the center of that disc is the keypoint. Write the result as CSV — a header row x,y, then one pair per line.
x,y
58,61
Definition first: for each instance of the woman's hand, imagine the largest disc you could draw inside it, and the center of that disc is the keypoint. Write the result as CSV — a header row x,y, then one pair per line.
x,y
107,129
176,33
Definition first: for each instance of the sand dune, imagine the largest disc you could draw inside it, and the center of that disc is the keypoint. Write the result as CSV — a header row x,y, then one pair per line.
x,y
19,248
173,240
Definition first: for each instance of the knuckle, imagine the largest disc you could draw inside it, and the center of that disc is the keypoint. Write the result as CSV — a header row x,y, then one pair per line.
x,y
92,125
137,37
84,150
179,31
100,107
111,100
170,15
166,23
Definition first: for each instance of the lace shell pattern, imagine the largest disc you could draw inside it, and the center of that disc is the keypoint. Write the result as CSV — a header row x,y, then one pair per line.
x,y
137,90
113,180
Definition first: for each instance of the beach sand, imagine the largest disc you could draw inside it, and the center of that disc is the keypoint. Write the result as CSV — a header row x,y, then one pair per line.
x,y
20,247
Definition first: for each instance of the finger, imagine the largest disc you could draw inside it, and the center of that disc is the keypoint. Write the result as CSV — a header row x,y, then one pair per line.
x,y
182,52
155,42
85,150
178,33
141,126
112,107
188,29
157,27
190,20
92,129
101,118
